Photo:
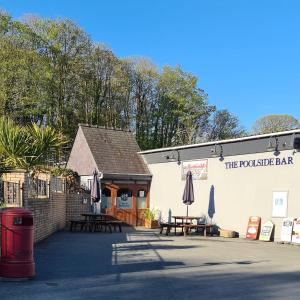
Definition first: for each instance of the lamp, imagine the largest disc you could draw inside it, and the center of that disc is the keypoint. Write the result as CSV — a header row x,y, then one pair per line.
x,y
271,146
214,152
174,156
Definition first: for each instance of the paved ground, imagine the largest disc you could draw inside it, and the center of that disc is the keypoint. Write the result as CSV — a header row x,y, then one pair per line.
x,y
140,264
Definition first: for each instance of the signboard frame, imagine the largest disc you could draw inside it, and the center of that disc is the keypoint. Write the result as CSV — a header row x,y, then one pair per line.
x,y
279,204
198,167
287,229
266,231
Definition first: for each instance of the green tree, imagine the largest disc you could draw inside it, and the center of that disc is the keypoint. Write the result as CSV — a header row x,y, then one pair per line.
x,y
224,125
181,109
51,73
274,123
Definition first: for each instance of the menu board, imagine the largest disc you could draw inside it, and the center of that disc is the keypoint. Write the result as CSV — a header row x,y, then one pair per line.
x,y
287,229
266,231
296,231
253,228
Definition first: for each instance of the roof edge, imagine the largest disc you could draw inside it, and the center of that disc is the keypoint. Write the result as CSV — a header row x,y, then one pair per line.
x,y
246,138
103,127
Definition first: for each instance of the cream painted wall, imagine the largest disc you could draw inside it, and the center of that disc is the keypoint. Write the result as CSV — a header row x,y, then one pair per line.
x,y
239,193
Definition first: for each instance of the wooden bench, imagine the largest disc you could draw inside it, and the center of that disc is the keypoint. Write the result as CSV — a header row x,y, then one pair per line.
x,y
75,223
94,225
169,226
206,228
115,224
99,224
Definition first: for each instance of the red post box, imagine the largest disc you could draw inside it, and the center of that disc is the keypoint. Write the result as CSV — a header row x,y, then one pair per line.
x,y
17,243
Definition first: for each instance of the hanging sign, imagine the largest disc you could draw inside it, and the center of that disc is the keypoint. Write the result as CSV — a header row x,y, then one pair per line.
x,y
266,231
296,231
253,228
197,167
287,229
124,201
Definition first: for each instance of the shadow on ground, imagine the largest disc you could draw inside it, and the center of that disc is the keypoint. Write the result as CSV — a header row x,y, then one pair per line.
x,y
143,265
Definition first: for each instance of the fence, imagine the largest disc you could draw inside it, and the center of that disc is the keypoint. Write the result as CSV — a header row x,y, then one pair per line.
x,y
58,184
10,193
38,188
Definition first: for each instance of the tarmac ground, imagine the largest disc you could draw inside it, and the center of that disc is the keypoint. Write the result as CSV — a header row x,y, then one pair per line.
x,y
141,264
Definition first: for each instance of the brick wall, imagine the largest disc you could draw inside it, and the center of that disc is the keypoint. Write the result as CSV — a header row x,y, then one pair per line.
x,y
77,204
49,214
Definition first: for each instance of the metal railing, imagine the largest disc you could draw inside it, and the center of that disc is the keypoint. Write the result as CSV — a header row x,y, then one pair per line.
x,y
10,193
58,184
38,188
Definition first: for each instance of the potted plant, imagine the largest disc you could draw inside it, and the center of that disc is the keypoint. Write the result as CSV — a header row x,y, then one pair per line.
x,y
151,218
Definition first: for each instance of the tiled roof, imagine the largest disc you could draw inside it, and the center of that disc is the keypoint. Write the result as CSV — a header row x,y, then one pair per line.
x,y
114,151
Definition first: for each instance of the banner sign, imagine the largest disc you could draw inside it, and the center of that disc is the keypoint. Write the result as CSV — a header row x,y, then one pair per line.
x,y
296,231
279,204
266,231
287,229
261,162
253,228
197,167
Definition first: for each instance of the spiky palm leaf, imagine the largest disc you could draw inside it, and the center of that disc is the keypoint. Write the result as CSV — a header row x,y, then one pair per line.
x,y
26,147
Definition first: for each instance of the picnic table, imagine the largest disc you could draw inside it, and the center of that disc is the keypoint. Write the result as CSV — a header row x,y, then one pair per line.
x,y
185,223
95,221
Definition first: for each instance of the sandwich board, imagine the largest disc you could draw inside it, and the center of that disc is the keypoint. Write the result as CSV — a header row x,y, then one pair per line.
x,y
296,232
253,228
266,231
287,229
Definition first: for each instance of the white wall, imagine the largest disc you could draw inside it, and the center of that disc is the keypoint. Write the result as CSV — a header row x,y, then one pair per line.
x,y
239,193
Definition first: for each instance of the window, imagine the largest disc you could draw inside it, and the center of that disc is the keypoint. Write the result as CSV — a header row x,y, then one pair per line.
x,y
106,198
141,199
124,198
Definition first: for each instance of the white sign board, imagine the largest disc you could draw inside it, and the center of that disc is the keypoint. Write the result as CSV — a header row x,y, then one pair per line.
x,y
266,231
279,204
287,229
296,231
197,167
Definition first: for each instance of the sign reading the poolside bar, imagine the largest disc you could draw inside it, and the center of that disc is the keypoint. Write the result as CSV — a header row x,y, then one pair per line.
x,y
287,229
296,231
266,231
253,228
261,162
197,167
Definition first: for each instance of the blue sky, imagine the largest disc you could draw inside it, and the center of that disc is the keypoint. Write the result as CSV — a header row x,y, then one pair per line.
x,y
246,53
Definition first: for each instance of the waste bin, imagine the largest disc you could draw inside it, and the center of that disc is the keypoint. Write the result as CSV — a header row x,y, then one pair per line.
x,y
17,244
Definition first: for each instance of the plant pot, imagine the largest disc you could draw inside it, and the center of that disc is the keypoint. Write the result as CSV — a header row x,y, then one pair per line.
x,y
151,224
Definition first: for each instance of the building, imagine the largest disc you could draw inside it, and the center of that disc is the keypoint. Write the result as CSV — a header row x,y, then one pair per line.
x,y
233,179
126,179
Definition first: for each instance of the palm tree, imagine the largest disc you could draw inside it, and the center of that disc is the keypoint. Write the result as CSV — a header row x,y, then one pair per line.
x,y
27,147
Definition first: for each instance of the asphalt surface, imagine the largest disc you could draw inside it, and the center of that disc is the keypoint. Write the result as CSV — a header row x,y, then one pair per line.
x,y
141,264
